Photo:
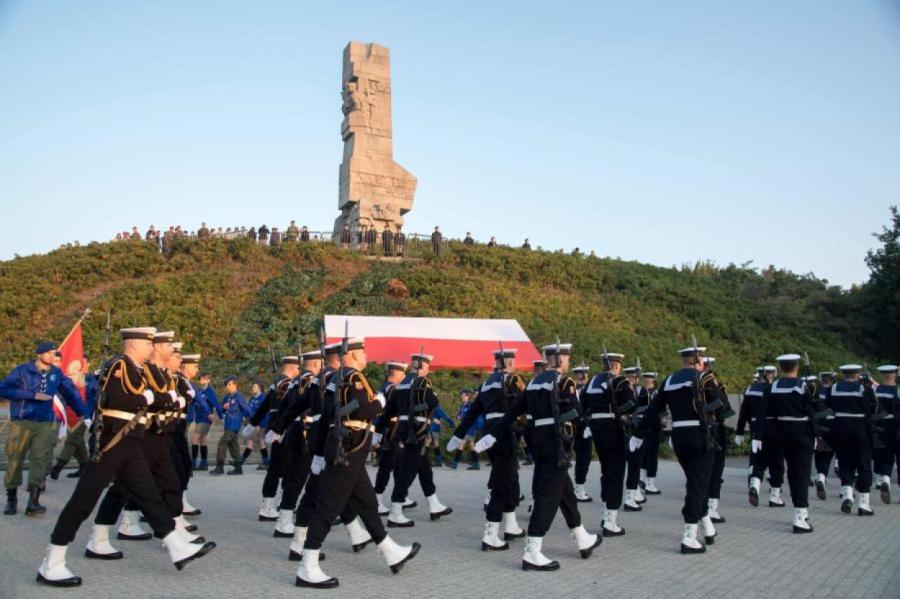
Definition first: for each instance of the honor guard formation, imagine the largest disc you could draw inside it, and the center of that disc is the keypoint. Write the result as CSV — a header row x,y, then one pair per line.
x,y
320,419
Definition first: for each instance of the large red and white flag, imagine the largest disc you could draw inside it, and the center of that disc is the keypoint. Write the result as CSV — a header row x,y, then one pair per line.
x,y
454,342
72,365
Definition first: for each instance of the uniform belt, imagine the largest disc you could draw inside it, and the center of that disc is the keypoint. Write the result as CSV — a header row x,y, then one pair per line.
x,y
183,416
753,419
770,418
543,421
358,425
685,423
602,416
848,415
122,415
405,418
309,419
493,415
888,417
793,418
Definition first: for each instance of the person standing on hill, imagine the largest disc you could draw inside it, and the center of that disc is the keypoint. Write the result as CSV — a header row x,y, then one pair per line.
x,y
436,239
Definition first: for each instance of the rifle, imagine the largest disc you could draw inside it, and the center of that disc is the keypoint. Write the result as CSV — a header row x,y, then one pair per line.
x,y
339,458
274,365
563,457
699,400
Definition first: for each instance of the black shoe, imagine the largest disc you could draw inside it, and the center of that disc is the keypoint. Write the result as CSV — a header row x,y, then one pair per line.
x,y
752,496
846,506
326,584
415,549
773,504
717,519
219,469
191,528
12,503
628,508
392,524
508,536
553,565
710,540
65,582
283,535
863,512
199,541
686,550
885,489
486,547
123,537
237,470
612,533
77,473
820,491
358,547
207,547
437,515
107,556
586,553
56,469
800,530
296,557
34,508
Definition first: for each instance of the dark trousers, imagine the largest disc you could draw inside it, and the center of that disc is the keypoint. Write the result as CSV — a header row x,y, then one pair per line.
x,y
635,463
162,470
387,464
651,452
611,446
412,464
696,458
307,505
583,455
504,483
278,455
770,457
718,465
182,454
553,491
228,442
296,467
797,442
823,460
125,462
339,488
853,447
883,457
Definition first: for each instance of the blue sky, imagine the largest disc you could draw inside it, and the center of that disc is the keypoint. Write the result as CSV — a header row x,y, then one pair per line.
x,y
657,131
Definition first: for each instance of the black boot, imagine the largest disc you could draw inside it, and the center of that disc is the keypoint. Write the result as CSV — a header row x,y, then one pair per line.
x,y
34,508
238,468
219,469
56,469
77,472
12,502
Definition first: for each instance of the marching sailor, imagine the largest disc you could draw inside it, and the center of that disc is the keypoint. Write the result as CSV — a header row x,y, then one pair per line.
x,y
885,428
384,438
852,400
550,403
824,451
650,463
634,495
584,450
717,425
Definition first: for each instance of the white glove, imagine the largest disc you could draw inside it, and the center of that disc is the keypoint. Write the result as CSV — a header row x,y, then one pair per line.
x,y
816,444
247,431
380,399
587,432
454,443
191,392
671,445
148,395
174,395
318,464
485,443
272,438
87,422
755,445
376,438
634,444
739,440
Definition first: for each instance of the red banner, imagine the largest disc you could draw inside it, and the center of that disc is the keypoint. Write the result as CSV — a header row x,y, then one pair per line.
x,y
72,365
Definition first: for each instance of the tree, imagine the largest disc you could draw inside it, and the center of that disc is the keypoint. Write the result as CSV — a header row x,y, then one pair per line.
x,y
881,294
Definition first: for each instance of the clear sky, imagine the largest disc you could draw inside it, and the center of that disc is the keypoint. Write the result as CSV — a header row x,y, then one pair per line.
x,y
657,131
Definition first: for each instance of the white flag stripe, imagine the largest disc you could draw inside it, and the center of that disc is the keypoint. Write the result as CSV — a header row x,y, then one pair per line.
x,y
463,329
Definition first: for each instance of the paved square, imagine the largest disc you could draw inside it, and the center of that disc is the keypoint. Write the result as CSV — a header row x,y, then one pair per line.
x,y
755,554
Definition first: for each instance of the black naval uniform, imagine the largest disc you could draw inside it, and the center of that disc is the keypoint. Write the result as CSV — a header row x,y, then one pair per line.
x,y
343,486
181,452
747,415
824,453
155,444
552,487
493,400
852,403
885,428
583,448
606,402
121,456
289,422
771,456
388,449
635,459
693,443
650,447
413,402
790,400
720,434
279,456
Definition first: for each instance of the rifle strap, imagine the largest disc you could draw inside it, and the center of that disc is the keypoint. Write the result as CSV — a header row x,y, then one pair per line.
x,y
127,428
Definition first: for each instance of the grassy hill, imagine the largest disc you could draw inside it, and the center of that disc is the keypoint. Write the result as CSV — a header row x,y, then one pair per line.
x,y
231,299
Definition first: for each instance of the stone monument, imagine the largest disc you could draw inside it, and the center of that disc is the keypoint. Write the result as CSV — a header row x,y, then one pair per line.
x,y
373,190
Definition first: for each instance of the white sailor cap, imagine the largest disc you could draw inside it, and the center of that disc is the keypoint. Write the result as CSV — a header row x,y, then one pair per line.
x,y
138,333
290,360
427,358
177,346
190,358
582,368
613,357
315,354
709,359
631,370
769,368
810,379
402,366
888,368
539,362
850,368
505,353
163,336
788,358
565,349
333,348
689,351
650,375
827,374
355,343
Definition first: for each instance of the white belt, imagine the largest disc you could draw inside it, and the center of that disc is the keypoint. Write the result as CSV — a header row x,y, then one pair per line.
x,y
602,416
121,415
685,423
888,417
848,415
793,418
492,415
770,418
543,421
309,419
405,418
753,419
